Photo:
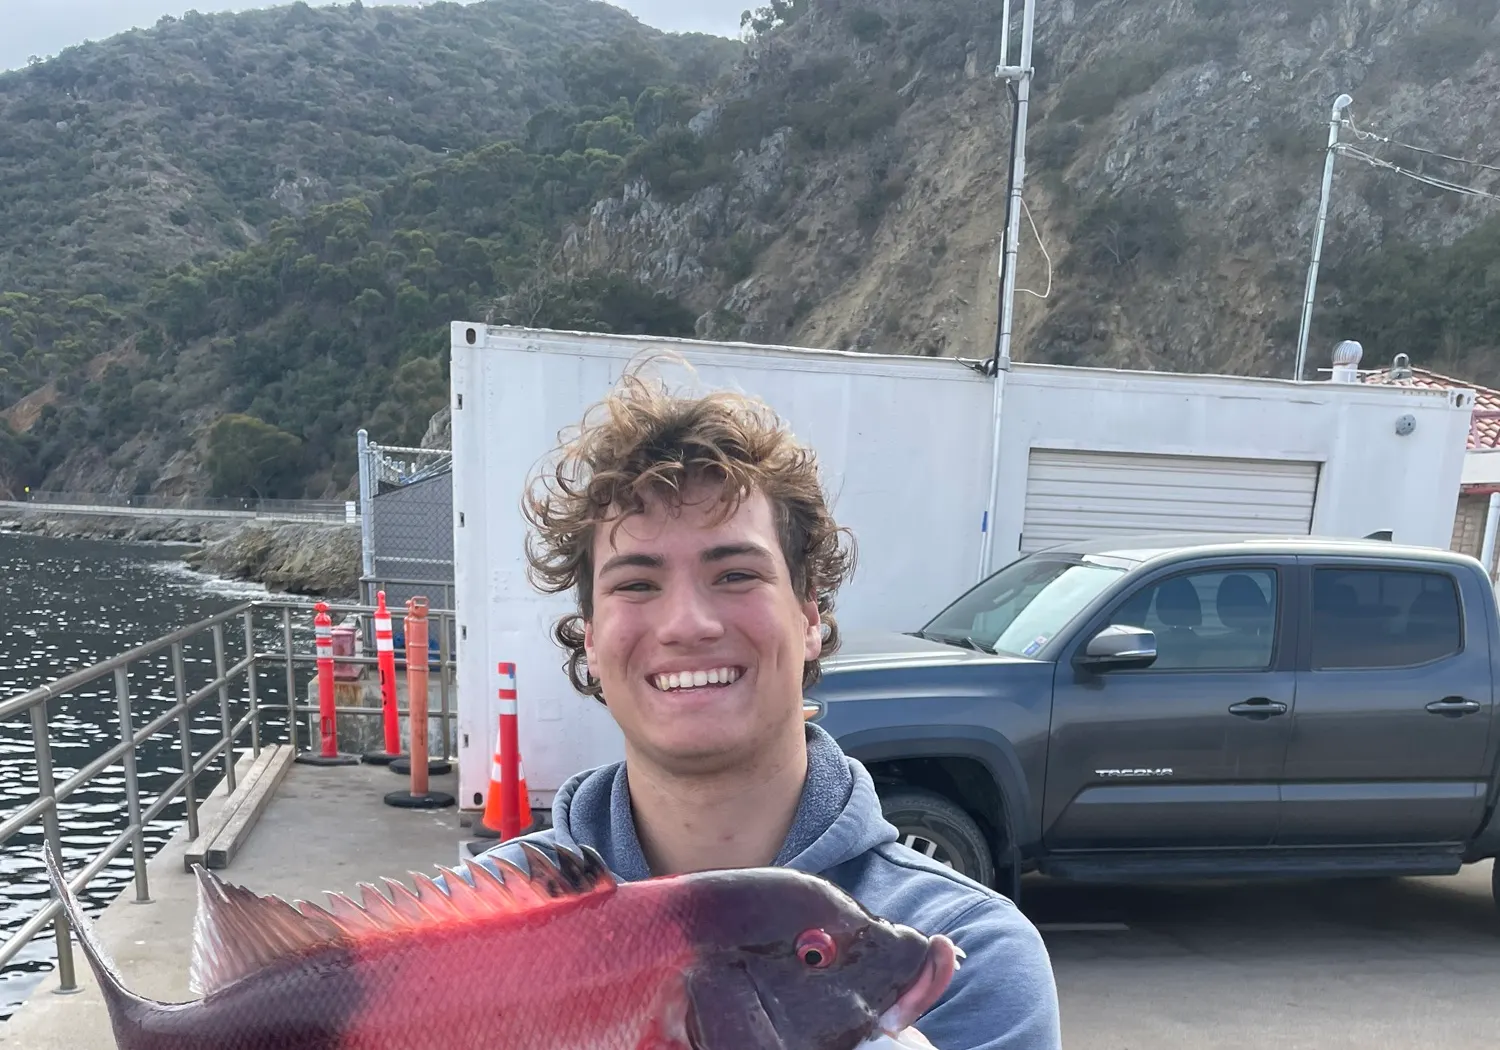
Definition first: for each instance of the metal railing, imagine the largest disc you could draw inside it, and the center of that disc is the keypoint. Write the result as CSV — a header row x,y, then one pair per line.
x,y
187,714
309,509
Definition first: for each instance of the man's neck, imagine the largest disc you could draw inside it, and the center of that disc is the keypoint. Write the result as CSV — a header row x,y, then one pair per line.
x,y
735,819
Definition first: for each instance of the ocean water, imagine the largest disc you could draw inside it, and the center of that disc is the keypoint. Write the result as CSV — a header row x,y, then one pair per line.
x,y
65,604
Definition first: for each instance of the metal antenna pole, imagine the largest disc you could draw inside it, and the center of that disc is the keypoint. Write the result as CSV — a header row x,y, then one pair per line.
x,y
1021,74
1339,105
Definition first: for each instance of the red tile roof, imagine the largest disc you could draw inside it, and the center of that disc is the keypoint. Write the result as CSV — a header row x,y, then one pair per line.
x,y
1484,431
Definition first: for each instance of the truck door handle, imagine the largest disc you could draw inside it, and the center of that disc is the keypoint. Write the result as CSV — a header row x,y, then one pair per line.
x,y
1454,706
1258,707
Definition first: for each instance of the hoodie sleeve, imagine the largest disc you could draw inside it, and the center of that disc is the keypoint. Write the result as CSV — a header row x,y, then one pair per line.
x,y
1004,996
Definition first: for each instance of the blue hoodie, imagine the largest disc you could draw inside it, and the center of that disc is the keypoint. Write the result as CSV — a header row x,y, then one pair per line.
x,y
1003,996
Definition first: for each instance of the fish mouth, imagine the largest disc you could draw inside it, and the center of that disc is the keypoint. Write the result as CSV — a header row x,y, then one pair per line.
x,y
932,980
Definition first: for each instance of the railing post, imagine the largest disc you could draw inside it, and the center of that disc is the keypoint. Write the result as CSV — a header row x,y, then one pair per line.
x,y
223,706
133,788
52,828
291,674
185,738
250,675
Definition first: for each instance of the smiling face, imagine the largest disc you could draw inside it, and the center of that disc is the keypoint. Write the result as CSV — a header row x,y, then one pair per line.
x,y
697,636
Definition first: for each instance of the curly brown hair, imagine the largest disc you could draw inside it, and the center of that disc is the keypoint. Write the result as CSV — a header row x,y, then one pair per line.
x,y
650,442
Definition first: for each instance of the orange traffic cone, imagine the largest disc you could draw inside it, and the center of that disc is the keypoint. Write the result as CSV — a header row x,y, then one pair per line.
x,y
494,802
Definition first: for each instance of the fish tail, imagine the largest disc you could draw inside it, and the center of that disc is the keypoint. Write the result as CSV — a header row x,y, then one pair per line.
x,y
125,1007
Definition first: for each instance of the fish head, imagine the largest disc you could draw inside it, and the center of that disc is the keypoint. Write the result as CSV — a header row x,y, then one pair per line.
x,y
788,961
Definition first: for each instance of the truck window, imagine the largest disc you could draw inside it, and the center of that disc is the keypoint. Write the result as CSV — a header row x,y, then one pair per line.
x,y
1208,621
1383,618
1019,609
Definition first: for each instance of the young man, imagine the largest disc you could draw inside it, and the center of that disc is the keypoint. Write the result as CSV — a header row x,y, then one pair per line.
x,y
704,559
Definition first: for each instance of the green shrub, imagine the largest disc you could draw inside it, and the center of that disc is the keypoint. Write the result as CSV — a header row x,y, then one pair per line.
x,y
866,25
1094,92
1129,231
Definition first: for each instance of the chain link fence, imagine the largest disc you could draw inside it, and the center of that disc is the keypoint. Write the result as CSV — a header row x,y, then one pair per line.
x,y
406,518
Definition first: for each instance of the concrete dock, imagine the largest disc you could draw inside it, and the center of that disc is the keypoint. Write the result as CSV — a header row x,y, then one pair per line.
x,y
327,828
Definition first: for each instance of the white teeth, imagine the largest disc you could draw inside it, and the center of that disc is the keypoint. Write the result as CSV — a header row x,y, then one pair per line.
x,y
696,679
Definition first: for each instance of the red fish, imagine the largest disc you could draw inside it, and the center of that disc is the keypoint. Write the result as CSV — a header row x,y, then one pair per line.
x,y
561,958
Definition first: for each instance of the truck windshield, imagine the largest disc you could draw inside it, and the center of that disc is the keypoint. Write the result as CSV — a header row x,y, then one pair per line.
x,y
1021,607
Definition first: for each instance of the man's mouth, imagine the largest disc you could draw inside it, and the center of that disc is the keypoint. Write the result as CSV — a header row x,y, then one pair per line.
x,y
716,676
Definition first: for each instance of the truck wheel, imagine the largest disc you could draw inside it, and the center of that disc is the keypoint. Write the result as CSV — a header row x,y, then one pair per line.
x,y
933,826
1495,881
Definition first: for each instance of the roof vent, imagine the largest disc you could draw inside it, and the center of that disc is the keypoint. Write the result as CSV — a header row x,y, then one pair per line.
x,y
1346,358
1401,367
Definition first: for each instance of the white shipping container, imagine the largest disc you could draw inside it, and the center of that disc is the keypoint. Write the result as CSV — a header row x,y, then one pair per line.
x,y
906,446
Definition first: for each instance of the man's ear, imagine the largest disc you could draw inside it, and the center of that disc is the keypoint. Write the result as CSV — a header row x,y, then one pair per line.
x,y
813,638
588,641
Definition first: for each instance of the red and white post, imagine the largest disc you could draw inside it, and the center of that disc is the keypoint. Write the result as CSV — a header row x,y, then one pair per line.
x,y
385,652
328,754
510,754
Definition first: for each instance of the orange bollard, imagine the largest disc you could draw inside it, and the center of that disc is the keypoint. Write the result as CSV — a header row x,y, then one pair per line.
x,y
327,715
418,797
416,690
385,651
503,814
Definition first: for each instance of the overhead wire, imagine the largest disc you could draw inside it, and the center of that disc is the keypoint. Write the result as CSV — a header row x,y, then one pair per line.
x,y
1388,140
1430,180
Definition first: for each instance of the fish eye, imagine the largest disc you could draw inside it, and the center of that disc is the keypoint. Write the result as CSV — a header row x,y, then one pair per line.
x,y
816,949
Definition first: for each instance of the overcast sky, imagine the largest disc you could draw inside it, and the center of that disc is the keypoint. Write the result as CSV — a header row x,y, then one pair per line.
x,y
45,27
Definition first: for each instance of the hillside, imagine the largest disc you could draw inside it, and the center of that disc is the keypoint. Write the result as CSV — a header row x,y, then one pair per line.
x,y
1176,153
842,185
122,158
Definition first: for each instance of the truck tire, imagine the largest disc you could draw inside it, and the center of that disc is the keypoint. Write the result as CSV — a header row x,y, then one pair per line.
x,y
934,826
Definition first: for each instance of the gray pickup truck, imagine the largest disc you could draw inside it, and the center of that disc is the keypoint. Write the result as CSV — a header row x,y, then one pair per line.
x,y
1189,707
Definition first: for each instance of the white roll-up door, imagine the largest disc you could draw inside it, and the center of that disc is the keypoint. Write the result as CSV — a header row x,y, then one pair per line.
x,y
1085,495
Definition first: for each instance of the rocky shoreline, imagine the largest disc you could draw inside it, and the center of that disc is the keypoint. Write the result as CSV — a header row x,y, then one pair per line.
x,y
302,558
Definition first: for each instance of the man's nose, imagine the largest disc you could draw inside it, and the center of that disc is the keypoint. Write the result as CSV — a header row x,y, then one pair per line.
x,y
688,616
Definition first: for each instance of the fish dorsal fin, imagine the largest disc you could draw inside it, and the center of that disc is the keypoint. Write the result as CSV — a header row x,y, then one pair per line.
x,y
237,932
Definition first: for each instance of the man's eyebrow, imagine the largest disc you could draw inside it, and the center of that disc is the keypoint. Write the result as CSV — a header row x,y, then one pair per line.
x,y
736,550
638,561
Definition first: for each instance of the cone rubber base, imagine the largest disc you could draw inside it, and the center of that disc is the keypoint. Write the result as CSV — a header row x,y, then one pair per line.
x,y
379,758
480,831
436,767
473,849
431,800
313,758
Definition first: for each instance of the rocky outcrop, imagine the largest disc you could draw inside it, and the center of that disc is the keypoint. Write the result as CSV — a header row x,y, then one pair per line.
x,y
146,529
439,433
293,558
1174,159
311,559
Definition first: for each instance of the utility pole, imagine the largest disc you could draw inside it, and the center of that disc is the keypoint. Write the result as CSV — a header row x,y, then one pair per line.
x,y
1021,74
1339,105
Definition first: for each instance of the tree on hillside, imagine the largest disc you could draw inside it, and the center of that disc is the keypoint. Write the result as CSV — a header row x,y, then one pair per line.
x,y
247,456
774,15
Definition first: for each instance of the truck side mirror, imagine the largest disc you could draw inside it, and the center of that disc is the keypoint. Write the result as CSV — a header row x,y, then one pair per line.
x,y
1119,647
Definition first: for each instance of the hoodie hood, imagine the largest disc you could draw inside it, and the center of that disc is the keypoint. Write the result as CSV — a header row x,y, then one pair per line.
x,y
838,818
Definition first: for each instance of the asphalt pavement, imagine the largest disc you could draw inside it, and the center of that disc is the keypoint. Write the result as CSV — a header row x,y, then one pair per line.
x,y
1386,964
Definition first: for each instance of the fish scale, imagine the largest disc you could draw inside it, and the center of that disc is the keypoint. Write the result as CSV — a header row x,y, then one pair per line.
x,y
558,957
472,992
